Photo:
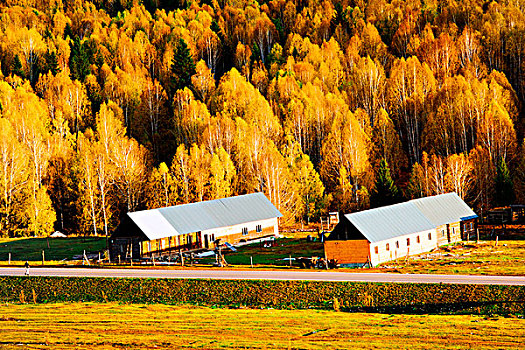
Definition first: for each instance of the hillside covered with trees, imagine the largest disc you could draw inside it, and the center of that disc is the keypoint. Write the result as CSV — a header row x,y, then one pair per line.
x,y
115,106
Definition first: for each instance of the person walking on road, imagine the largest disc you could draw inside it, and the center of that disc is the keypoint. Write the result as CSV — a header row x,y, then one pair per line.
x,y
26,265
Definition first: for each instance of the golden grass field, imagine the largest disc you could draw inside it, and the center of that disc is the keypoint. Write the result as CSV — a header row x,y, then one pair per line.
x,y
124,326
484,258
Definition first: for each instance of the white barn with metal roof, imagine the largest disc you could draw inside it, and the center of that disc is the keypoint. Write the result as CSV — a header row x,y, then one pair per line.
x,y
387,233
196,225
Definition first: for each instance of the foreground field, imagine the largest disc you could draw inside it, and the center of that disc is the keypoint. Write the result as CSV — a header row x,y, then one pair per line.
x,y
103,326
485,258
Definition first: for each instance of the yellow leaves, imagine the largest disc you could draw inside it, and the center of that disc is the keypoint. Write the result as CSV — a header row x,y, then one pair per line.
x,y
407,88
458,177
496,132
41,215
368,85
238,98
109,128
318,63
14,177
346,148
222,175
203,81
387,144
191,116
242,59
163,168
65,97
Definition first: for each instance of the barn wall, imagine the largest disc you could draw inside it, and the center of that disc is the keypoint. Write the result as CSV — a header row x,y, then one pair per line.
x,y
449,233
348,252
442,235
234,234
163,246
468,229
394,248
455,232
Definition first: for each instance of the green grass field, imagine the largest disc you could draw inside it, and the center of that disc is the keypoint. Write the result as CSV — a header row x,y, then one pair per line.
x,y
118,326
283,248
55,249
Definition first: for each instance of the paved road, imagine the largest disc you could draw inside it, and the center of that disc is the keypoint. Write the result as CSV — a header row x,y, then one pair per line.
x,y
266,275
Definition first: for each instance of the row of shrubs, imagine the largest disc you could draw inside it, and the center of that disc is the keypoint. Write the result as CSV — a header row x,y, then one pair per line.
x,y
345,296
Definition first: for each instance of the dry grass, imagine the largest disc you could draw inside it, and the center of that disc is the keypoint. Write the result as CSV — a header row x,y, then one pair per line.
x,y
507,258
108,326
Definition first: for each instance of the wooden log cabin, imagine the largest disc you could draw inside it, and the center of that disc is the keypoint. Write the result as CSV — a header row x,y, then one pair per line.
x,y
375,236
194,226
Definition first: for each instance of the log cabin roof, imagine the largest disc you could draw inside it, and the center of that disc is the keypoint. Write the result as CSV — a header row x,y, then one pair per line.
x,y
200,216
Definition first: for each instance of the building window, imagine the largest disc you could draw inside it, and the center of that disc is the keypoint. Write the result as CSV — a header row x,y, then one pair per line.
x,y
376,249
442,233
418,241
397,244
244,231
408,242
387,247
471,225
258,228
429,236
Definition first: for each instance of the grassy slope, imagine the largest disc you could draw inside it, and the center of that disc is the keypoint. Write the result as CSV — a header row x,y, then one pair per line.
x,y
59,248
103,326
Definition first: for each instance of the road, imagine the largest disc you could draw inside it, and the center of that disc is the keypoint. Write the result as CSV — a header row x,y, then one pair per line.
x,y
265,275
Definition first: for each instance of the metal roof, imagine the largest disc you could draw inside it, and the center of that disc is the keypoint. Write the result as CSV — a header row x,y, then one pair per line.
x,y
200,216
389,222
444,209
414,216
153,224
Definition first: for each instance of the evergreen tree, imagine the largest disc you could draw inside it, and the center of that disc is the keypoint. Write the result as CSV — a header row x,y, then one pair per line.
x,y
182,67
50,62
79,61
385,191
17,67
503,185
68,32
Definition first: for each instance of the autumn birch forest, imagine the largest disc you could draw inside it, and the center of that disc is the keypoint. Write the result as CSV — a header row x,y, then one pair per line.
x,y
114,106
